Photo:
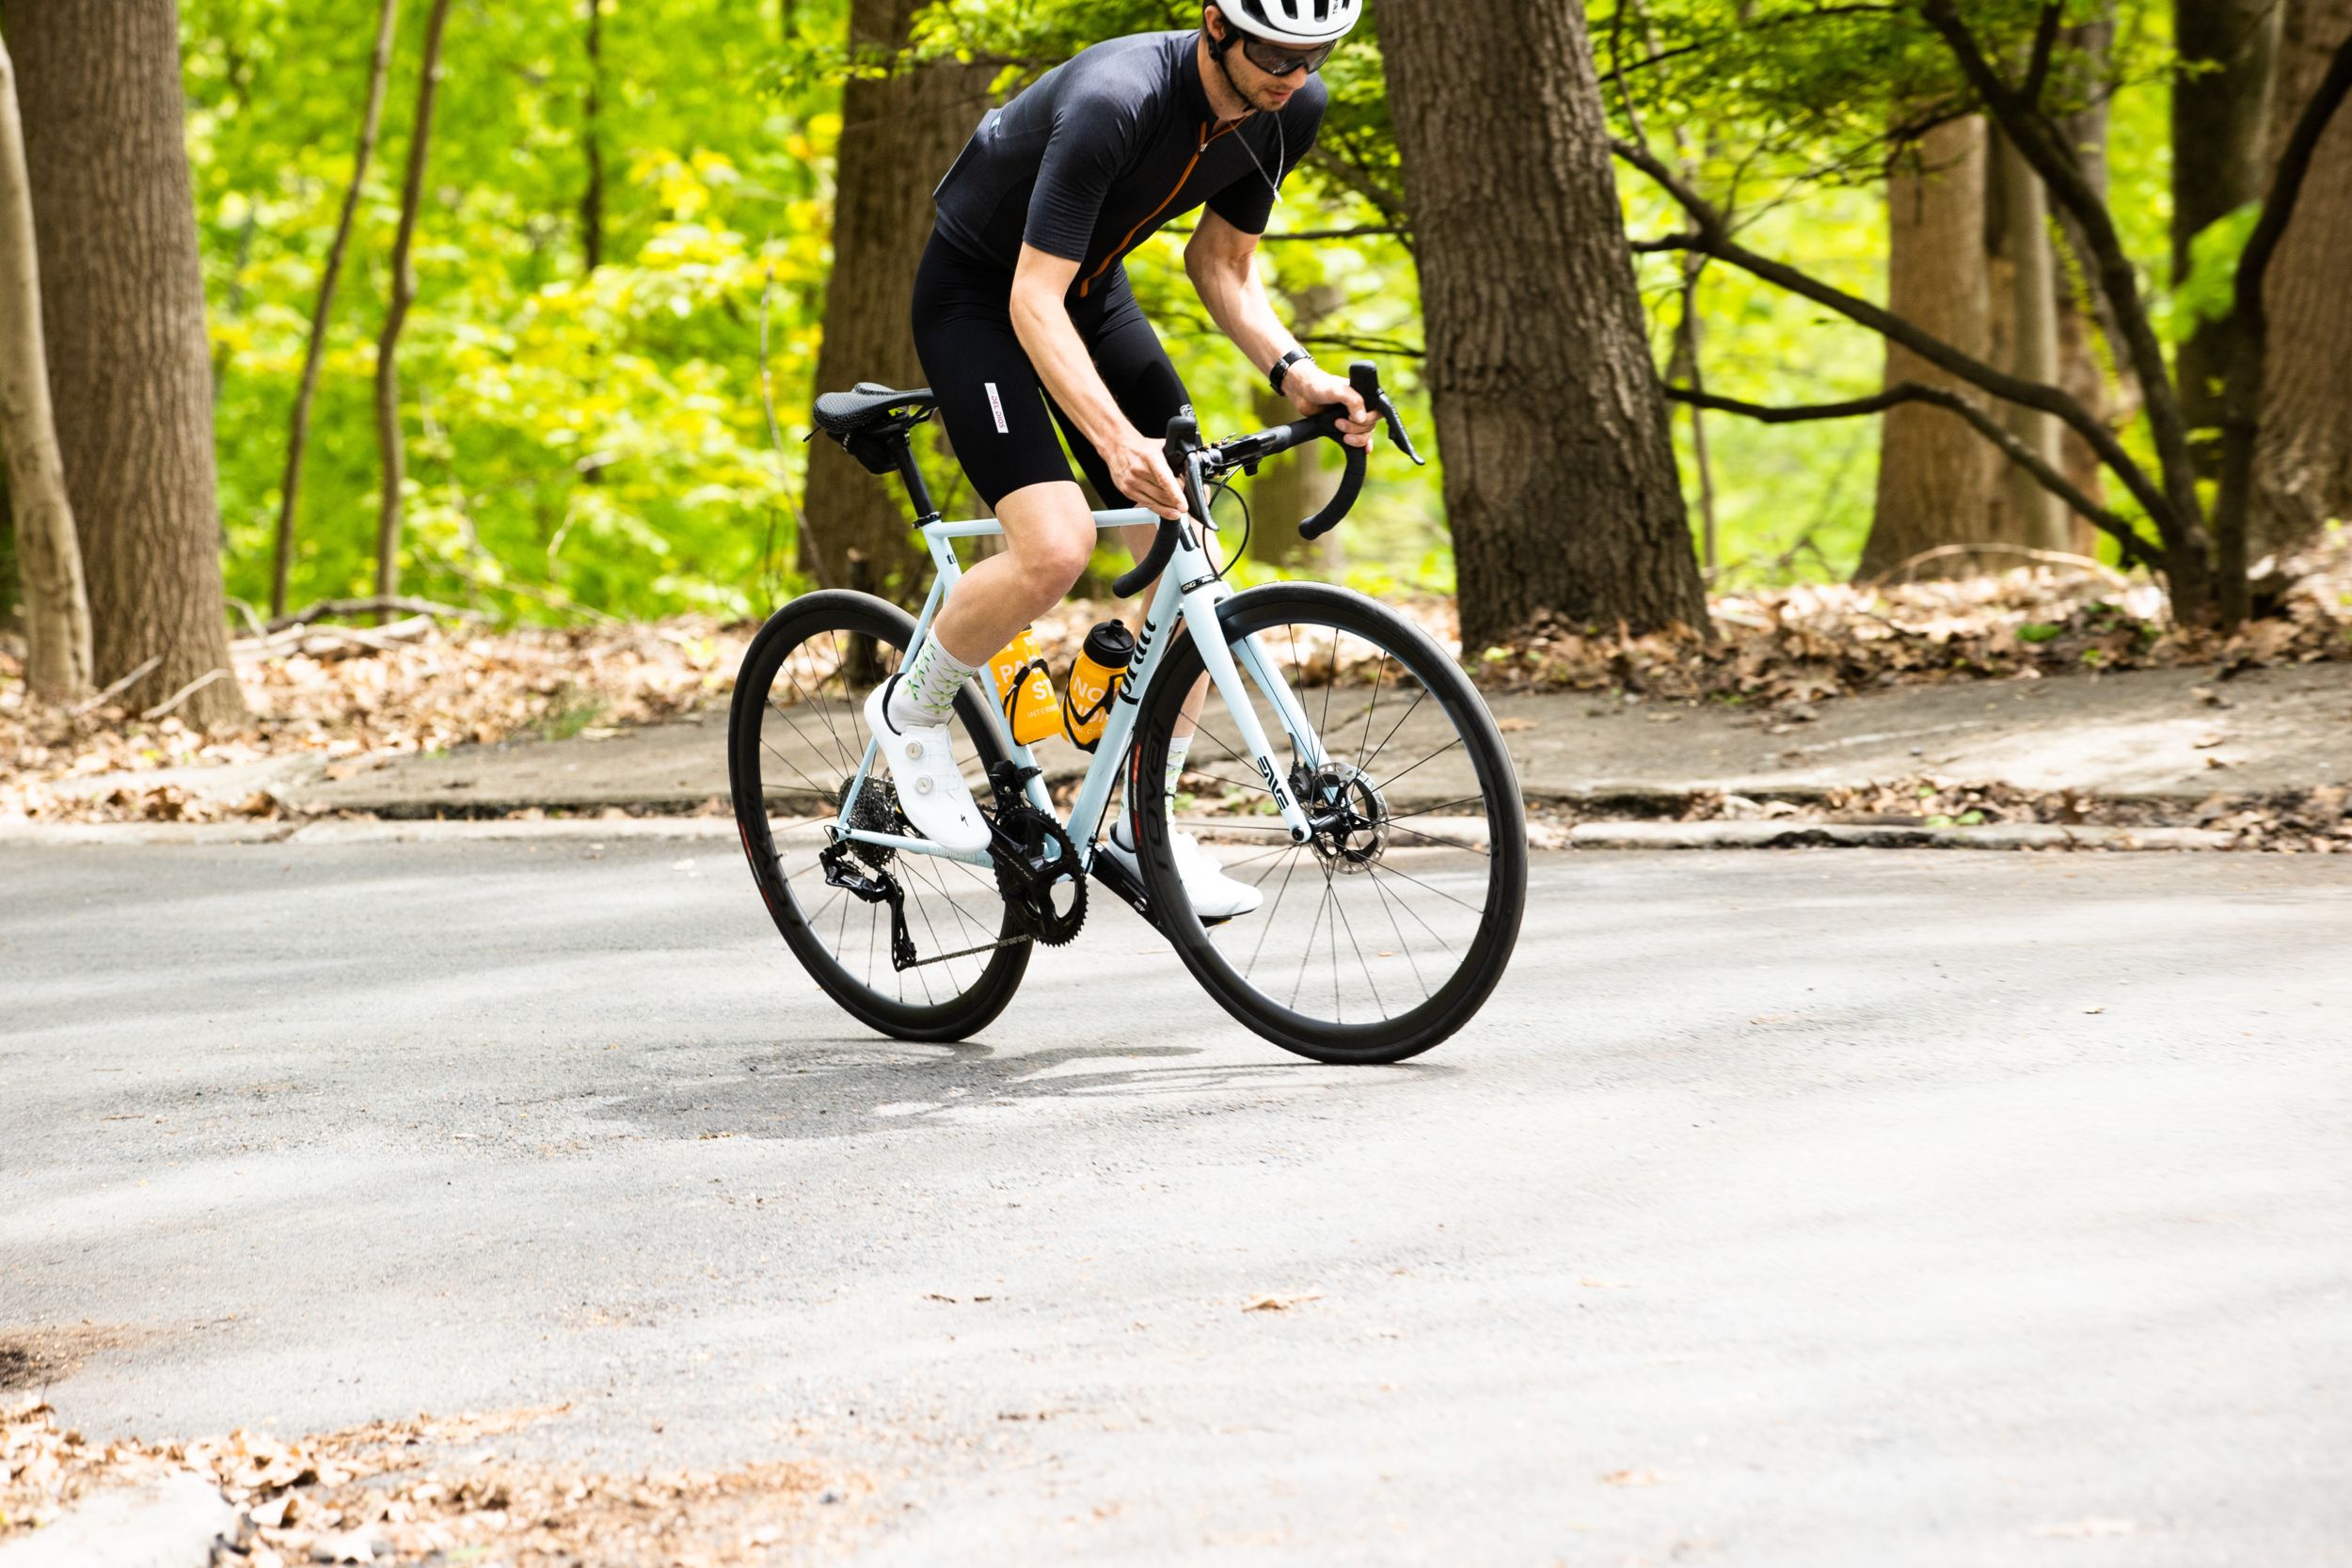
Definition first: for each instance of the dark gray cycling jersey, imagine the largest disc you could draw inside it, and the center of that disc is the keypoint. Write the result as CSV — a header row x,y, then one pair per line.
x,y
1100,152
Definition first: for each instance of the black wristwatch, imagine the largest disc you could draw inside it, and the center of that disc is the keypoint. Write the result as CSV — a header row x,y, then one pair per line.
x,y
1282,368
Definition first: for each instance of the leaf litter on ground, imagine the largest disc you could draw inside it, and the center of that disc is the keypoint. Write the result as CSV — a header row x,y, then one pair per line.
x,y
399,1491
354,698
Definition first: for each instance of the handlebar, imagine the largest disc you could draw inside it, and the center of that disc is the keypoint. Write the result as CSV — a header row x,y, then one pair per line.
x,y
1195,462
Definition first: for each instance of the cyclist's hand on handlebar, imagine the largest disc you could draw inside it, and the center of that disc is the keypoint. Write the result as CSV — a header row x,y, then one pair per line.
x,y
1139,467
1312,389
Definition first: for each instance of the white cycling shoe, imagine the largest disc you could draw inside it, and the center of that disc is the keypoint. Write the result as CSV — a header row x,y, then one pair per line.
x,y
1213,895
922,762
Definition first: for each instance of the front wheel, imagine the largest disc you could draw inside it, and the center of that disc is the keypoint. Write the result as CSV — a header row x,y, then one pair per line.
x,y
1385,932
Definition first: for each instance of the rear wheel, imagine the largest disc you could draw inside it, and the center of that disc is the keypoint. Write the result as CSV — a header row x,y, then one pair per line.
x,y
796,736
1386,932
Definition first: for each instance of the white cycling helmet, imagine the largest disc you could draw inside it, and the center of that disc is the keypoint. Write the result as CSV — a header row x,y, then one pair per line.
x,y
1292,24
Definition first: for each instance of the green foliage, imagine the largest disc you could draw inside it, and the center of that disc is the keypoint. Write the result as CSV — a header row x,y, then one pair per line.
x,y
573,437
598,439
2209,290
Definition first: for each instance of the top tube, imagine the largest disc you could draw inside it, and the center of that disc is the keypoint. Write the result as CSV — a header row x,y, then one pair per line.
x,y
980,528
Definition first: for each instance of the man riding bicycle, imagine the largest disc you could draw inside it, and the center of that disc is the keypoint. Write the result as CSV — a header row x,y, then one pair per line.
x,y
1024,319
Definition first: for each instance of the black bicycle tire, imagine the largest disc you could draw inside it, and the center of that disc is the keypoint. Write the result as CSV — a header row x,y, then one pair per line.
x,y
843,610
1442,1015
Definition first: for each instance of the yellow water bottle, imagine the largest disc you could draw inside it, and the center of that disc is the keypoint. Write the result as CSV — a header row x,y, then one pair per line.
x,y
1094,680
1026,689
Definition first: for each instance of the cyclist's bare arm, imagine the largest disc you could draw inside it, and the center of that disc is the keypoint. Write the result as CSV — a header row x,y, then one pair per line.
x,y
1222,263
1041,322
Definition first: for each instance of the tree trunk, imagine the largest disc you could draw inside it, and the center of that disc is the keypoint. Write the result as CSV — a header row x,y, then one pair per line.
x,y
592,135
299,425
898,134
387,434
123,294
2220,116
2033,319
2083,371
1935,484
2303,455
1560,482
1684,368
1291,488
56,600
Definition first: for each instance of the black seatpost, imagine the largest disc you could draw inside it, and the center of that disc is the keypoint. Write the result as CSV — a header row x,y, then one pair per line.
x,y
918,492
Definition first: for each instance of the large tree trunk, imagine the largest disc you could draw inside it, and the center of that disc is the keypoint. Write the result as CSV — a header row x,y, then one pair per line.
x,y
314,351
122,293
2220,115
57,601
898,134
1935,484
56,598
2303,456
1560,483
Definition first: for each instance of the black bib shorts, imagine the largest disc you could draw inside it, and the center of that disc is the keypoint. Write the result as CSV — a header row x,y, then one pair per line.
x,y
999,417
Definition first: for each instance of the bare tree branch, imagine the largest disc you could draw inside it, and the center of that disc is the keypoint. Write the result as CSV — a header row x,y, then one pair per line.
x,y
2127,540
2180,521
395,457
298,431
2045,34
1710,237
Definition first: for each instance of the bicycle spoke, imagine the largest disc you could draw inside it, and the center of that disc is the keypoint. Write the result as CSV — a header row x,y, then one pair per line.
x,y
1390,783
1364,764
1342,906
1450,844
1478,910
1401,945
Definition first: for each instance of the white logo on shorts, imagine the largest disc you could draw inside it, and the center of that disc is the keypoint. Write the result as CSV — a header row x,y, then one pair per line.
x,y
997,409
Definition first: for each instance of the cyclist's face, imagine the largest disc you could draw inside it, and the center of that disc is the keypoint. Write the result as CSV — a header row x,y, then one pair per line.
x,y
1264,89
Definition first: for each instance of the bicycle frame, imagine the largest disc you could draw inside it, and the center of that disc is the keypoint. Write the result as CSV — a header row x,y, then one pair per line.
x,y
1188,587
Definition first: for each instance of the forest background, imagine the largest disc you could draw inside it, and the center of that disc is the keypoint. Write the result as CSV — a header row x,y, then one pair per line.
x,y
624,228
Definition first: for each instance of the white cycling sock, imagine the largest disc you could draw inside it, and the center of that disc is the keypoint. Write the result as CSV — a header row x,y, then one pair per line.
x,y
927,686
1177,747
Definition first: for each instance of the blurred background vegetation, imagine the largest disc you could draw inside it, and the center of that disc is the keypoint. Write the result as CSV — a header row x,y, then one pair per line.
x,y
593,438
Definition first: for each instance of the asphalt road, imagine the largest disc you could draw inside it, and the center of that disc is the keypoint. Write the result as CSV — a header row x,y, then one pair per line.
x,y
1805,1207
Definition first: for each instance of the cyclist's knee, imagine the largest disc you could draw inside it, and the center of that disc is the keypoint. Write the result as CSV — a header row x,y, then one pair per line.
x,y
1051,533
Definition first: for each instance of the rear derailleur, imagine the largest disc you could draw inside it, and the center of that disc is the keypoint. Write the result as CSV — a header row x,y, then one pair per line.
x,y
1036,863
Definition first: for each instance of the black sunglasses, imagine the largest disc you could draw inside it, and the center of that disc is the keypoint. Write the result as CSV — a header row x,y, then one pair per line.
x,y
1275,60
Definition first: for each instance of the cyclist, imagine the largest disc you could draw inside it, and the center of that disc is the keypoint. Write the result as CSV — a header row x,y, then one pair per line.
x,y
1022,309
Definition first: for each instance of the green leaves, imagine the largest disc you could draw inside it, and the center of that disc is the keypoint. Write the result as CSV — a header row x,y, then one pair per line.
x,y
2209,290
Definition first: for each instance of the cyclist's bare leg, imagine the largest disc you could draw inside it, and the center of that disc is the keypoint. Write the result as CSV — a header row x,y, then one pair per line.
x,y
1049,534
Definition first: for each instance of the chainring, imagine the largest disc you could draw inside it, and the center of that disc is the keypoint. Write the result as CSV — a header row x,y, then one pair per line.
x,y
1026,872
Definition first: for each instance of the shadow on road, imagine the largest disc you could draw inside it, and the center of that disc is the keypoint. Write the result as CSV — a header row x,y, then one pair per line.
x,y
844,1087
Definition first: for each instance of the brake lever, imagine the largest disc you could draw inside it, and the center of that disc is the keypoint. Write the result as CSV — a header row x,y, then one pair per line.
x,y
1387,411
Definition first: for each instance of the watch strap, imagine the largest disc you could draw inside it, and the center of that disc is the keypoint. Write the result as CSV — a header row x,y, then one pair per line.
x,y
1281,369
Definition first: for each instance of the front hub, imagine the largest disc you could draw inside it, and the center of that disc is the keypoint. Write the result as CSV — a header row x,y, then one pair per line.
x,y
1348,815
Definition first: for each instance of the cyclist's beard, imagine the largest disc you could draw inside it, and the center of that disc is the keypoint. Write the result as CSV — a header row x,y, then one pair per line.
x,y
1249,98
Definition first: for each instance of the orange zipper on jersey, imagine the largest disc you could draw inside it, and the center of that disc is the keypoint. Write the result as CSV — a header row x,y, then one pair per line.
x,y
1119,249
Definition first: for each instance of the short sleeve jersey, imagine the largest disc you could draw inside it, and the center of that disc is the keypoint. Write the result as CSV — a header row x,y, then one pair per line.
x,y
1095,156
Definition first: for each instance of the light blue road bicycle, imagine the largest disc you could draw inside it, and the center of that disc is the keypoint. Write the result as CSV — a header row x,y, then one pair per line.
x,y
1342,757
